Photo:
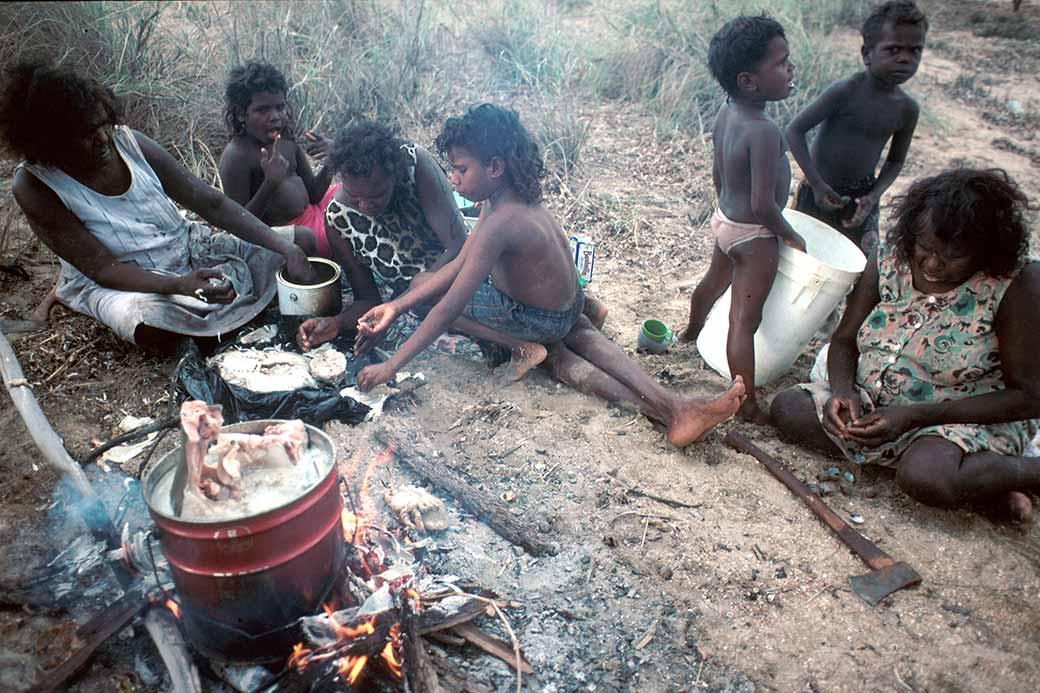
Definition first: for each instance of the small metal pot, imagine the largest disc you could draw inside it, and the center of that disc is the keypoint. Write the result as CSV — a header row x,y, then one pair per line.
x,y
322,299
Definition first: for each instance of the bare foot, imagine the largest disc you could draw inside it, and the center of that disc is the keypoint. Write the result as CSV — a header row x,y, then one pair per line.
x,y
595,311
42,312
687,336
696,417
523,359
1019,507
750,412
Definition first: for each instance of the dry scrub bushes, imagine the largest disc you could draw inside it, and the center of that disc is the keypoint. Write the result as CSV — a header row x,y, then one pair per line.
x,y
411,62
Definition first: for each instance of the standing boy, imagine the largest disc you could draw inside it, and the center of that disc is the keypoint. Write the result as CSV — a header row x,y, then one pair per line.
x,y
263,168
857,116
514,282
750,59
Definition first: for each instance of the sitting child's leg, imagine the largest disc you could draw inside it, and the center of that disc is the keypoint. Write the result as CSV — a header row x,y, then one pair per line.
x,y
595,311
523,355
711,287
590,362
754,267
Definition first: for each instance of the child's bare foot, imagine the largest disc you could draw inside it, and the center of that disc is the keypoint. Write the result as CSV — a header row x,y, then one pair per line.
x,y
1018,507
687,336
595,311
750,412
42,312
696,417
524,358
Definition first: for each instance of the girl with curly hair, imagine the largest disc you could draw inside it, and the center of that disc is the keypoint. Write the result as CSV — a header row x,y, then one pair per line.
x,y
514,282
104,198
933,368
264,168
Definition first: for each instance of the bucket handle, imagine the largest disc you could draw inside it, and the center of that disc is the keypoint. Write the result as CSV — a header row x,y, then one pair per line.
x,y
808,292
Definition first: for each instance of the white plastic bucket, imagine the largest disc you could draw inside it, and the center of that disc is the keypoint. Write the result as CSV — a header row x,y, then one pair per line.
x,y
808,286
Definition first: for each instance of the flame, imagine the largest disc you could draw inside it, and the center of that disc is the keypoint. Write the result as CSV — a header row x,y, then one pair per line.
x,y
388,654
350,525
351,667
415,597
174,607
298,658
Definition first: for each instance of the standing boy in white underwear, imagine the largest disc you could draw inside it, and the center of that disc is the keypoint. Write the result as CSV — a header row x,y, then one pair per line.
x,y
749,57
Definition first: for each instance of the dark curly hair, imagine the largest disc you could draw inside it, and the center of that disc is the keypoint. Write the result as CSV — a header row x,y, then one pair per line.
x,y
487,131
740,46
982,210
245,80
895,12
363,146
44,108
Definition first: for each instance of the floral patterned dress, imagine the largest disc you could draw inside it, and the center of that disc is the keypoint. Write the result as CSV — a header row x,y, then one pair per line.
x,y
915,348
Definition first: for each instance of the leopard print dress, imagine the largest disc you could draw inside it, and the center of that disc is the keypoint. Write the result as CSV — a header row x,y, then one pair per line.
x,y
397,244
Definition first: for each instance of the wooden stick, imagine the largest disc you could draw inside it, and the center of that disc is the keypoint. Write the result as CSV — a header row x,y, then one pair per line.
x,y
165,633
492,645
51,446
96,631
419,674
489,509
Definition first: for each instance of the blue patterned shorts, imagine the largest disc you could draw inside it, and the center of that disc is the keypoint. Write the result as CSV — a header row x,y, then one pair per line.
x,y
492,308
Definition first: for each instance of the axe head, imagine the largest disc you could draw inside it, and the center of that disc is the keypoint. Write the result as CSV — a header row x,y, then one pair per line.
x,y
878,584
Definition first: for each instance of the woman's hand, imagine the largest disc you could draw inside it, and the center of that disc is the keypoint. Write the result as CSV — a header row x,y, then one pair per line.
x,y
838,413
317,146
207,285
272,163
298,268
316,331
376,374
372,325
881,426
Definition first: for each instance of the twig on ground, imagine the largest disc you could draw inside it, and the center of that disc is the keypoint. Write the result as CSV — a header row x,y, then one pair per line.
x,y
630,513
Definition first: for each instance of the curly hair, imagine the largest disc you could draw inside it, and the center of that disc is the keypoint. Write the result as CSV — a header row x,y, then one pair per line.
x,y
740,46
982,210
362,147
895,12
487,131
44,108
245,80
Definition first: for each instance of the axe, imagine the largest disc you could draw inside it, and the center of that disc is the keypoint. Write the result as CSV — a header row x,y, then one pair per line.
x,y
887,576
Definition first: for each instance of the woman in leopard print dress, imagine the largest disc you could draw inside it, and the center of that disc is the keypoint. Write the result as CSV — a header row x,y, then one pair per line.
x,y
393,218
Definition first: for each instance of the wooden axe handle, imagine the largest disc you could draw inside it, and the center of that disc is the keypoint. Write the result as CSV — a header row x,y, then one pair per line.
x,y
864,548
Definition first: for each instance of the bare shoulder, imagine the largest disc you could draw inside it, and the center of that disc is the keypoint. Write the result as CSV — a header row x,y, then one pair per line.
x,y
31,193
908,103
1022,297
240,152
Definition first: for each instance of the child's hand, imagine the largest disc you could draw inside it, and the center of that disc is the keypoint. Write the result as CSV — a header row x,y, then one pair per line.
x,y
376,374
827,199
795,241
272,163
318,146
863,207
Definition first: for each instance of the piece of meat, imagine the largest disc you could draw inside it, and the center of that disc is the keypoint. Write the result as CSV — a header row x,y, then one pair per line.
x,y
201,423
220,471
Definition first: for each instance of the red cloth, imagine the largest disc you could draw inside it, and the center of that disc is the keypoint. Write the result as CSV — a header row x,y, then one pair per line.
x,y
313,217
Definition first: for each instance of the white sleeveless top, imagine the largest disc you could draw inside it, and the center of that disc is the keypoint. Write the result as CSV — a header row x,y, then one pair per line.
x,y
144,227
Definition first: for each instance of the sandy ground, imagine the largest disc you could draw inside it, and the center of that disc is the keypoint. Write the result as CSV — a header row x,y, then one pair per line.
x,y
747,589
